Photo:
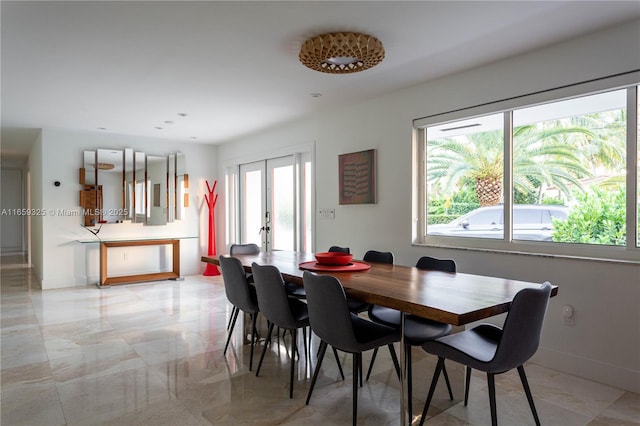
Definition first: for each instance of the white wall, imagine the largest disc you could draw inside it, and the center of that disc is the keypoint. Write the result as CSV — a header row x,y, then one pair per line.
x,y
604,343
58,259
35,200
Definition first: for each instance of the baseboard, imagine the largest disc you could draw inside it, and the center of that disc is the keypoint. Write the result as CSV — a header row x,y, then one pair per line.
x,y
609,374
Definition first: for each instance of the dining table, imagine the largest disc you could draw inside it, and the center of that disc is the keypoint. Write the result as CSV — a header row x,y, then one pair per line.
x,y
453,298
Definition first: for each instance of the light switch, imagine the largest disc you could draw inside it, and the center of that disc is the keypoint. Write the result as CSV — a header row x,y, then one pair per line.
x,y
326,213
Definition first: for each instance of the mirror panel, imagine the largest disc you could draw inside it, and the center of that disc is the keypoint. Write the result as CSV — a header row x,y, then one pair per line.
x,y
157,190
90,193
171,187
128,184
110,167
139,188
88,163
182,198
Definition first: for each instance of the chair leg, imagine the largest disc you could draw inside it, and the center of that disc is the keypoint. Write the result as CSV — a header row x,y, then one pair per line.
x,y
356,369
294,336
254,316
467,383
492,398
373,359
234,317
264,350
446,379
233,312
321,350
434,382
527,391
407,351
335,353
306,354
394,357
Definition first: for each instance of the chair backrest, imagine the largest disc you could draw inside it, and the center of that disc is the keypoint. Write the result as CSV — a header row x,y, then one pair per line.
x,y
431,263
522,328
244,249
378,256
339,249
272,296
236,285
329,314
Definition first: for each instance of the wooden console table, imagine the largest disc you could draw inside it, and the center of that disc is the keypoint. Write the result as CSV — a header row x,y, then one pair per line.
x,y
105,280
105,244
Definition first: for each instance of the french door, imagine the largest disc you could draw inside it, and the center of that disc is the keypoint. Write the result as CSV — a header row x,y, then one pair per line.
x,y
274,203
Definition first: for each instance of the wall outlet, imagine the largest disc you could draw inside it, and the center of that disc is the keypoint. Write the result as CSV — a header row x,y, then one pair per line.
x,y
568,315
326,213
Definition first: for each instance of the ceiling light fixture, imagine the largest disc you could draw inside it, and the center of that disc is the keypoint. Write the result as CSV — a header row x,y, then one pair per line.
x,y
341,53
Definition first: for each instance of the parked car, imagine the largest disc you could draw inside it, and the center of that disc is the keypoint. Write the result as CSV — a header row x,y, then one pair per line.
x,y
530,222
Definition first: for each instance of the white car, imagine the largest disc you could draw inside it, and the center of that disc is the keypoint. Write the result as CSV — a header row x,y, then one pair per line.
x,y
530,222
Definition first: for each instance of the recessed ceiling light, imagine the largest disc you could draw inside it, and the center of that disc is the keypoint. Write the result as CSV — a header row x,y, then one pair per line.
x,y
194,137
168,122
315,95
101,128
182,114
158,128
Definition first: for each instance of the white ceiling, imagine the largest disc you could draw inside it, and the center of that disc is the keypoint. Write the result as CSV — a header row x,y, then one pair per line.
x,y
233,66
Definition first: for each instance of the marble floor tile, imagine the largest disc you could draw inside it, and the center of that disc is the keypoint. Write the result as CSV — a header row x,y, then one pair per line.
x,y
106,398
152,354
33,405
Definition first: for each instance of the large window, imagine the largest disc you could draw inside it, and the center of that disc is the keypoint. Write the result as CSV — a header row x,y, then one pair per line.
x,y
552,177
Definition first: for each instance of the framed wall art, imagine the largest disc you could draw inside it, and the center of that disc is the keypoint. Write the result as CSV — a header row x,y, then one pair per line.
x,y
357,177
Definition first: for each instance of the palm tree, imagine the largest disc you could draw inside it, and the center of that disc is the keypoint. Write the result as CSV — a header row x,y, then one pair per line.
x,y
541,156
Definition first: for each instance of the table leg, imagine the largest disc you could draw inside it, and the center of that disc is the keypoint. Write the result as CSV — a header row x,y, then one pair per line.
x,y
403,373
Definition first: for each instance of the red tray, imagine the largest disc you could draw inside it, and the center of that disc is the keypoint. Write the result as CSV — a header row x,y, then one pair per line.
x,y
353,266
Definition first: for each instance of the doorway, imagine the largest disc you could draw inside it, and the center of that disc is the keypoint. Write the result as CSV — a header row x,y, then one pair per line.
x,y
274,203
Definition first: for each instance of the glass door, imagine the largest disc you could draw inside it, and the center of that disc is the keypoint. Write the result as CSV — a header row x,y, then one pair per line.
x,y
268,196
252,198
280,217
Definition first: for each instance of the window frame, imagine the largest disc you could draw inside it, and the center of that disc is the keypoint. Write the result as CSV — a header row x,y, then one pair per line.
x,y
629,253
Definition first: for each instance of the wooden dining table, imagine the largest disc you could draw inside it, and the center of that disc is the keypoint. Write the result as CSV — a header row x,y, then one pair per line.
x,y
453,298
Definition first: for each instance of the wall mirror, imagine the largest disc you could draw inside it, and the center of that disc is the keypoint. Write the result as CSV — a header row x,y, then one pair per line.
x,y
119,185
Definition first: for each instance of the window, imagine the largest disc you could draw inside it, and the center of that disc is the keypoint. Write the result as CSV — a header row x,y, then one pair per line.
x,y
542,176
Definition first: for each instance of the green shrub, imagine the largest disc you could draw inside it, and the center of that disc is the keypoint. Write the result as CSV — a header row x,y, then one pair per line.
x,y
597,218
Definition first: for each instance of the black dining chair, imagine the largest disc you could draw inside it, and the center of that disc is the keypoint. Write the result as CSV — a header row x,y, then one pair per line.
x,y
248,248
378,257
335,325
416,330
496,350
241,295
355,306
338,249
279,310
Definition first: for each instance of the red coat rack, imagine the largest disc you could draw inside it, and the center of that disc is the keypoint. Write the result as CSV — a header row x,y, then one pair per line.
x,y
211,200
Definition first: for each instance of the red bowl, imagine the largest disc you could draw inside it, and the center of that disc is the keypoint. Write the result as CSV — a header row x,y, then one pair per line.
x,y
333,258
